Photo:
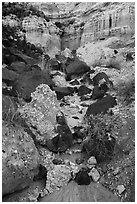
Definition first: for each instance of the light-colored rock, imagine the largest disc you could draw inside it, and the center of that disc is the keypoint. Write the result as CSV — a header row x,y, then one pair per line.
x,y
57,177
20,159
94,174
92,160
90,21
100,54
45,119
120,188
41,113
47,39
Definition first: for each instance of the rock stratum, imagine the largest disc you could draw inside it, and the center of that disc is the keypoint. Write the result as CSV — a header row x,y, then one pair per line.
x,y
72,25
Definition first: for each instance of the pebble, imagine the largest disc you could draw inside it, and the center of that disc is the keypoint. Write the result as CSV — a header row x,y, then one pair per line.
x,y
92,160
116,171
121,189
94,174
79,141
79,160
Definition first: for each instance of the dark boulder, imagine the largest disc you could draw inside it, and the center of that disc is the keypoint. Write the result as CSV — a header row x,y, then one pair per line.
x,y
104,87
129,56
83,90
64,137
22,57
101,106
9,75
98,77
27,83
82,177
97,93
53,64
42,173
19,67
63,91
76,68
86,79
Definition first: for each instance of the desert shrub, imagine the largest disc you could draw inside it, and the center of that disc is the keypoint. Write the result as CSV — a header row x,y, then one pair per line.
x,y
126,91
100,135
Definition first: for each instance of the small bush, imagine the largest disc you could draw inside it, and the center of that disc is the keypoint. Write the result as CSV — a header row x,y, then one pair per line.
x,y
100,132
126,91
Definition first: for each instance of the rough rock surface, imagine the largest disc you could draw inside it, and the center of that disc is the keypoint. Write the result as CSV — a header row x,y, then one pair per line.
x,y
29,194
85,22
27,83
41,112
101,54
20,159
41,116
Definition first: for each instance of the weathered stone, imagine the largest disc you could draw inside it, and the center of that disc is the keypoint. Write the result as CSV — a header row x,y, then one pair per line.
x,y
82,177
63,91
48,38
27,83
92,160
94,174
9,75
41,113
63,140
20,159
97,93
50,126
29,194
83,90
76,68
59,79
19,67
100,54
101,106
57,177
121,189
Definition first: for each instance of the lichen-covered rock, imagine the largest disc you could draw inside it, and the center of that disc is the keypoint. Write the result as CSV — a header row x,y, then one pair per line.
x,y
57,177
41,112
20,159
41,115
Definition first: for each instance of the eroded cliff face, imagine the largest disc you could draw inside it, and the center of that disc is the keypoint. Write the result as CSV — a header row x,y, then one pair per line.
x,y
73,24
81,23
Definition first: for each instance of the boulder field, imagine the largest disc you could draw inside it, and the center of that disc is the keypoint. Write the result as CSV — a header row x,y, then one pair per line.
x,y
68,93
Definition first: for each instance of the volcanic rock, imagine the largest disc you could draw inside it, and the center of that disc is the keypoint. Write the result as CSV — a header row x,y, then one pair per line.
x,y
101,106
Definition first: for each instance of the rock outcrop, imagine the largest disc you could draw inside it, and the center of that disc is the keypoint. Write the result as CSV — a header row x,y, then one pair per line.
x,y
46,122
20,159
86,22
71,25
